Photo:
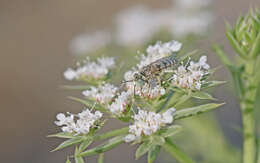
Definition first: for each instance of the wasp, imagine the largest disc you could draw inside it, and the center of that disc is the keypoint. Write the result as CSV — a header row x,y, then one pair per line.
x,y
150,74
154,69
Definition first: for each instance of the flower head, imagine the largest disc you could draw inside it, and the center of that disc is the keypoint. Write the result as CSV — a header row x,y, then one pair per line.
x,y
190,76
86,42
78,124
120,104
94,70
147,123
103,94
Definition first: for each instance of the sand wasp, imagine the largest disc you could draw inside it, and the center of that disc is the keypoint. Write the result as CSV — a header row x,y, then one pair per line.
x,y
150,74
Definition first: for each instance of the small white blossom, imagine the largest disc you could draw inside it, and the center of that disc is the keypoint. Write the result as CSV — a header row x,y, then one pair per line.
x,y
70,74
120,103
96,70
103,94
129,138
86,42
78,124
147,123
190,77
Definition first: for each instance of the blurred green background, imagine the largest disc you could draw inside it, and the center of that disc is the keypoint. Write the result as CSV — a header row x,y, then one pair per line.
x,y
34,49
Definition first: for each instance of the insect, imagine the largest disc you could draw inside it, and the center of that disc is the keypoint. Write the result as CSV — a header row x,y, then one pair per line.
x,y
154,69
150,74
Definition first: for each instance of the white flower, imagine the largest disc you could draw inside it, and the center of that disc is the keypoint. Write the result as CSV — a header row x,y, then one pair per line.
x,y
191,4
136,25
103,94
82,125
165,49
129,138
70,74
86,42
93,69
147,123
120,104
190,77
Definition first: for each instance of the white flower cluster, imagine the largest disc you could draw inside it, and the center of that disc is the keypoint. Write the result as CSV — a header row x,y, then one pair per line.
x,y
86,43
78,124
190,17
154,52
158,51
96,70
103,94
120,103
135,26
147,123
190,77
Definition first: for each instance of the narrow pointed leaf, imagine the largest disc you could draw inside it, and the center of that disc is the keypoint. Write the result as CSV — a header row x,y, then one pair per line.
x,y
256,47
211,84
183,99
69,142
158,140
86,142
112,133
142,149
202,96
77,158
62,135
222,55
236,45
170,131
184,113
153,153
110,144
101,158
176,152
88,103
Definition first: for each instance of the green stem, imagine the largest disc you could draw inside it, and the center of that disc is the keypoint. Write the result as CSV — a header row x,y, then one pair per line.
x,y
176,152
112,133
247,110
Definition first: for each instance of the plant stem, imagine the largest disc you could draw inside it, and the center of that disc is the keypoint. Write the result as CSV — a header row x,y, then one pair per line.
x,y
247,111
176,152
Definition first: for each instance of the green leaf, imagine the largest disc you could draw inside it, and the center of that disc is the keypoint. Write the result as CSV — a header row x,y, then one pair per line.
x,y
75,87
211,84
70,142
222,55
88,103
255,48
143,148
153,153
182,99
101,158
77,158
175,151
202,96
110,144
236,45
87,141
184,113
62,135
171,130
113,133
158,140
68,160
